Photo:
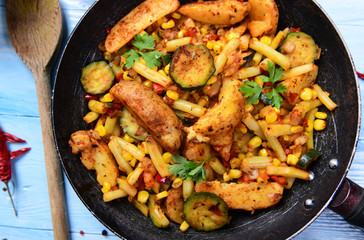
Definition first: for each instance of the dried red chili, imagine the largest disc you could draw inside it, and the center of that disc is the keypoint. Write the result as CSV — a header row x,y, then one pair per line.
x,y
360,75
5,157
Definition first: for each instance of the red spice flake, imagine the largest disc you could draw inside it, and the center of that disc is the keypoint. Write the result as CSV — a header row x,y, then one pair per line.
x,y
360,75
296,29
82,233
107,30
89,96
191,32
159,178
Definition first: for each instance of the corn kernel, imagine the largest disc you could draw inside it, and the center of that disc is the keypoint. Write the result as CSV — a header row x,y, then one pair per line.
x,y
276,162
107,98
314,94
256,116
143,196
292,159
91,116
249,154
161,71
166,68
235,173
142,61
106,187
210,44
184,226
168,25
218,45
203,31
203,101
156,37
212,80
286,138
296,129
167,157
306,94
242,128
319,124
161,20
226,177
143,147
148,83
277,110
263,152
126,77
128,138
177,182
126,155
107,56
235,162
232,35
249,108
309,127
271,117
172,95
260,180
101,129
181,34
162,195
266,40
259,81
241,156
176,15
255,142
321,115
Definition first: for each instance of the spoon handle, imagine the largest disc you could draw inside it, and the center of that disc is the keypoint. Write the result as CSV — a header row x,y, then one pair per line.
x,y
52,163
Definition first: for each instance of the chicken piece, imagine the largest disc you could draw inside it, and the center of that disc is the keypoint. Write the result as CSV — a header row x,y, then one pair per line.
x,y
95,155
225,12
196,151
246,196
150,111
173,206
263,17
137,20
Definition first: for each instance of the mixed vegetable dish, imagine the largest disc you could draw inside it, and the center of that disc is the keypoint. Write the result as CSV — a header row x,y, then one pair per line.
x,y
202,108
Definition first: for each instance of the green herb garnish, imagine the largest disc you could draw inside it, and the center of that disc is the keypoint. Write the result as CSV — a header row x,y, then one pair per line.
x,y
188,170
252,90
143,42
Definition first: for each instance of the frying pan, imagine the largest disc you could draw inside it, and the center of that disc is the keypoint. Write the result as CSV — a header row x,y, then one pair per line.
x,y
300,205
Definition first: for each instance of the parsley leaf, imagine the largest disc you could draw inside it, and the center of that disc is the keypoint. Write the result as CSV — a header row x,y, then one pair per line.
x,y
188,170
133,57
253,90
143,42
152,58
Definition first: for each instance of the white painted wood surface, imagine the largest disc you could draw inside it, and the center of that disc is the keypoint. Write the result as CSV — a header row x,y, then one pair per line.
x,y
19,115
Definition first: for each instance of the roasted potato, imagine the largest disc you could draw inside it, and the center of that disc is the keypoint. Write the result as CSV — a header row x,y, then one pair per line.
x,y
225,12
150,111
296,84
96,155
226,114
173,206
263,17
137,20
246,196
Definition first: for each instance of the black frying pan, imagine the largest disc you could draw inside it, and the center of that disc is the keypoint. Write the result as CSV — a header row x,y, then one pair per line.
x,y
299,207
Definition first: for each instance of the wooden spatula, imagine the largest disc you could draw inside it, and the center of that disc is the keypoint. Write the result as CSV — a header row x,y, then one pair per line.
x,y
34,28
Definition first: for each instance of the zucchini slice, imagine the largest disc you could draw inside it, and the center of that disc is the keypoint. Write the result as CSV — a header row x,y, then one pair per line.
x,y
131,127
308,157
205,211
192,66
97,77
305,49
156,213
186,118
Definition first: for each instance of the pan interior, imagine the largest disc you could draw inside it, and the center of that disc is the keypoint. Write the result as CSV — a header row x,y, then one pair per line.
x,y
338,141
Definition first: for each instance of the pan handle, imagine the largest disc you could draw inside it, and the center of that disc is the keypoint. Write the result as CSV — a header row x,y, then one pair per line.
x,y
349,203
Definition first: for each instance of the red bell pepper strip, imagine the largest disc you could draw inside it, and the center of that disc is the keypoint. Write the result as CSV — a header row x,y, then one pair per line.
x,y
5,156
159,178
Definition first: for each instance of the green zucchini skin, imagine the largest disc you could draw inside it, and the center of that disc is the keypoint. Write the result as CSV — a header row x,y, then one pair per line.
x,y
308,157
97,77
206,211
185,119
156,213
130,126
306,50
191,66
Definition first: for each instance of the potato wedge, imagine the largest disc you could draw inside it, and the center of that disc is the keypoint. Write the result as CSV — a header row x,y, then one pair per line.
x,y
137,20
225,12
296,84
263,17
226,114
150,111
95,155
173,206
246,196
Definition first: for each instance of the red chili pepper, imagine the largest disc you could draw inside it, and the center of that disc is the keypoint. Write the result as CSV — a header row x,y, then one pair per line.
x,y
5,156
296,29
360,75
281,180
159,178
217,148
168,100
158,88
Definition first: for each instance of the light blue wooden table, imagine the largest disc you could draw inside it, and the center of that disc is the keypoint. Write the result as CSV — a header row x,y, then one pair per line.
x,y
19,115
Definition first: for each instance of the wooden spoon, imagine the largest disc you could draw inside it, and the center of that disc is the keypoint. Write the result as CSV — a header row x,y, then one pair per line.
x,y
34,28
